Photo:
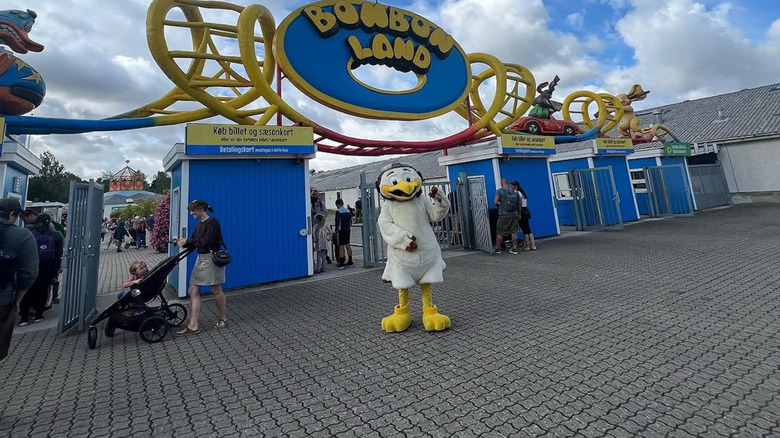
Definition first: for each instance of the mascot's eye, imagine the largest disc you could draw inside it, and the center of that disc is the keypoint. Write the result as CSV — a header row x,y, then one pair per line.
x,y
394,182
408,179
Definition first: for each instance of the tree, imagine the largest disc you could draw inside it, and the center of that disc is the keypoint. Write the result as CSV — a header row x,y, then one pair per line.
x,y
141,208
105,180
53,182
162,220
161,183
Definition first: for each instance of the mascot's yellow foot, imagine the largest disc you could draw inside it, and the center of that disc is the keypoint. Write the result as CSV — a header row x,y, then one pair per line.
x,y
433,321
399,320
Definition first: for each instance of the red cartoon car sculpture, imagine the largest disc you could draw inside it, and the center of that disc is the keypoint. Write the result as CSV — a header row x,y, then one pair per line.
x,y
533,125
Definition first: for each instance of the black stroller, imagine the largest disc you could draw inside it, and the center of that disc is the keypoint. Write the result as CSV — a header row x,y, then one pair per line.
x,y
138,309
132,242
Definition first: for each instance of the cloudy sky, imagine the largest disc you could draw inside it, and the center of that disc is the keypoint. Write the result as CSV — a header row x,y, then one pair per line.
x,y
97,63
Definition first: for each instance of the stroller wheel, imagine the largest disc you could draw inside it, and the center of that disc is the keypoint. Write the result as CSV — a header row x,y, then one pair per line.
x,y
154,329
177,314
110,329
127,245
92,337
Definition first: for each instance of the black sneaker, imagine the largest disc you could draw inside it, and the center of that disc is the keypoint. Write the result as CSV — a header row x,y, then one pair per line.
x,y
38,319
349,263
23,323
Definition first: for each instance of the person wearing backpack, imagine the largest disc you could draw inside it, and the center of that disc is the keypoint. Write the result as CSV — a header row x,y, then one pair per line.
x,y
18,268
49,243
507,202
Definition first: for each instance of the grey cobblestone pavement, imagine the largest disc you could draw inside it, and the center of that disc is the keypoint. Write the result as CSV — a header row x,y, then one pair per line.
x,y
667,328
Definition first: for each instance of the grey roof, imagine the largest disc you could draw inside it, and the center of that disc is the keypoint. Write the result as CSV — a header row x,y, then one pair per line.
x,y
749,113
120,197
427,163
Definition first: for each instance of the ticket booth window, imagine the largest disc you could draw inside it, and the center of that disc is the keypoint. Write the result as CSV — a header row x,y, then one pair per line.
x,y
562,186
638,181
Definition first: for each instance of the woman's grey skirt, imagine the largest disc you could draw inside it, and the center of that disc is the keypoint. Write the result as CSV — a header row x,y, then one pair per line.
x,y
206,273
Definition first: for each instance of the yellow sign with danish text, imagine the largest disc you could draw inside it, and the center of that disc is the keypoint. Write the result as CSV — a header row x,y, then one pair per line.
x,y
613,146
208,139
521,144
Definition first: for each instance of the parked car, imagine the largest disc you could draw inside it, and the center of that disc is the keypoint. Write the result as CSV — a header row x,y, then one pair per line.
x,y
533,125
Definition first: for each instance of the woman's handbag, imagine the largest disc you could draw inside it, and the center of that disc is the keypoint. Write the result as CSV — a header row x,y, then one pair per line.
x,y
221,257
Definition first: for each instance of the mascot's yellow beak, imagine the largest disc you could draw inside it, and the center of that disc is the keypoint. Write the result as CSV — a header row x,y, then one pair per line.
x,y
403,190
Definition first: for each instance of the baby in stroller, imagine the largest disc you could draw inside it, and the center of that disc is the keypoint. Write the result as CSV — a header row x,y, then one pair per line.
x,y
138,271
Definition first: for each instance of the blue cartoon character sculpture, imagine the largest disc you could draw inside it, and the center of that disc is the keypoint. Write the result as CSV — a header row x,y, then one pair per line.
x,y
413,253
21,87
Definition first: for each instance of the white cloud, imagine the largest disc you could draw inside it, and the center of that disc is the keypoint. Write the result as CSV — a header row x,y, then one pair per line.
x,y
97,64
575,19
689,51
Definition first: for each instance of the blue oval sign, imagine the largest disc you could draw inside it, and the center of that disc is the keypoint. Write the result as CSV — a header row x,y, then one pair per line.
x,y
319,45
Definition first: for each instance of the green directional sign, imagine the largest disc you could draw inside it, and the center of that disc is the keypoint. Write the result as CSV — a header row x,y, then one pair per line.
x,y
677,149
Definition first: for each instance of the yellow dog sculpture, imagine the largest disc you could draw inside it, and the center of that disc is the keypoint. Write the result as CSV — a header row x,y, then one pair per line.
x,y
413,253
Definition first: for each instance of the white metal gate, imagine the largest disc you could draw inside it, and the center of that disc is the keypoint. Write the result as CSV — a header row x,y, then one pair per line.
x,y
82,255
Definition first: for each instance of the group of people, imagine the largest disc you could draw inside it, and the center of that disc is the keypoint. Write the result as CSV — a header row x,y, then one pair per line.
x,y
513,217
322,236
30,263
118,230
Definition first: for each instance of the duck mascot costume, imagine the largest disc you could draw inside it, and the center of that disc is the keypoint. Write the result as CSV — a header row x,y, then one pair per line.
x,y
413,254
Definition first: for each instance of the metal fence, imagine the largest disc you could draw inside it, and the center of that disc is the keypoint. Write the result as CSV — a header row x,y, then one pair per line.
x,y
709,185
668,191
596,199
81,255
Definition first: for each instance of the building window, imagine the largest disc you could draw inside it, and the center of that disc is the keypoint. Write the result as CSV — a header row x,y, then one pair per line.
x,y
562,186
638,181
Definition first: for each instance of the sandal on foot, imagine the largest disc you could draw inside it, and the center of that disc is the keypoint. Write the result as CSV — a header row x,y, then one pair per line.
x,y
221,323
188,331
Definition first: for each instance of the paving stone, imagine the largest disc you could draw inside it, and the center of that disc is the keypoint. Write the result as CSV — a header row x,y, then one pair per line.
x,y
661,329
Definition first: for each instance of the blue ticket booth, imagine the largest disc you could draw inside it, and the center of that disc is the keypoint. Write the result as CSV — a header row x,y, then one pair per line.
x,y
594,154
259,188
17,164
512,157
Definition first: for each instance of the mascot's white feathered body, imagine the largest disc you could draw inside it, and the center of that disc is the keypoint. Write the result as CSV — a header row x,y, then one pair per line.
x,y
413,254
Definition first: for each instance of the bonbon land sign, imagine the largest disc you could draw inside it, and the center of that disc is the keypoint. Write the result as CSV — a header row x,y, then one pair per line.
x,y
208,139
321,45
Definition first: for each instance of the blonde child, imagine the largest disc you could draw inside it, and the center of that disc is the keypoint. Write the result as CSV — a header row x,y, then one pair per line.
x,y
321,239
138,271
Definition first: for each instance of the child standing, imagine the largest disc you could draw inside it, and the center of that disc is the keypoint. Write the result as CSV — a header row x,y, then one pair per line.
x,y
321,239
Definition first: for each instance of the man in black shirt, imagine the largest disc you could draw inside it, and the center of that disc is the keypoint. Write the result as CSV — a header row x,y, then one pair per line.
x,y
343,225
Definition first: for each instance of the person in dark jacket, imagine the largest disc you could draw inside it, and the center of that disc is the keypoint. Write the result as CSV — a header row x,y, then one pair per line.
x,y
18,268
49,243
207,238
